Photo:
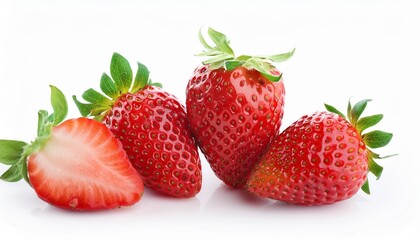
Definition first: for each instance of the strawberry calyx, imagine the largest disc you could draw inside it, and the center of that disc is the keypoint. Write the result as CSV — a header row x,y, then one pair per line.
x,y
120,83
373,139
222,55
15,153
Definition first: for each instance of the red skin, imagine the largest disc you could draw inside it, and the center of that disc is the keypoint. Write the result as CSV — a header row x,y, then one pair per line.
x,y
234,115
319,159
153,128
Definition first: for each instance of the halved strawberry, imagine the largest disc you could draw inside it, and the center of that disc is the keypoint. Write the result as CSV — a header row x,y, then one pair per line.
x,y
77,165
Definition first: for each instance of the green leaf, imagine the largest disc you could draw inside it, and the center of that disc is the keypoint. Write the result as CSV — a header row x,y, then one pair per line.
x,y
13,174
365,187
85,109
108,86
95,97
357,110
221,41
367,122
231,65
121,73
282,57
59,104
334,110
375,168
142,76
11,151
377,139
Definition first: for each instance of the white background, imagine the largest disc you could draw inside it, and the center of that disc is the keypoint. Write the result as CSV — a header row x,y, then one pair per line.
x,y
358,49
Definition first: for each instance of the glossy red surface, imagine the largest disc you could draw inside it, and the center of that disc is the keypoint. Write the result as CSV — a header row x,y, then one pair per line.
x,y
234,115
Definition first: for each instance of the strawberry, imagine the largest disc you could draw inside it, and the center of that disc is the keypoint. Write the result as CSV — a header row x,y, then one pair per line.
x,y
321,158
235,106
77,164
151,124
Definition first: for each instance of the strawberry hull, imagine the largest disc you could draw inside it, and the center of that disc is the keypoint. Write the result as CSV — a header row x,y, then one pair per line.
x,y
234,115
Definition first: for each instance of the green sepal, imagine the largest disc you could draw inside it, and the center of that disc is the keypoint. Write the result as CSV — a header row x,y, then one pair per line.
x,y
216,65
222,55
243,58
376,156
281,57
156,84
121,73
108,86
365,187
93,96
209,53
377,139
334,110
375,168
367,122
349,111
11,151
231,65
25,172
220,59
273,78
262,67
357,110
373,139
221,41
141,79
203,42
120,82
14,173
43,119
84,108
59,105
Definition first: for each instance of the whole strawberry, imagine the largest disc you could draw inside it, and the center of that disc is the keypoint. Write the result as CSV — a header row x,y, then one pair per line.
x,y
152,126
235,106
77,164
321,158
